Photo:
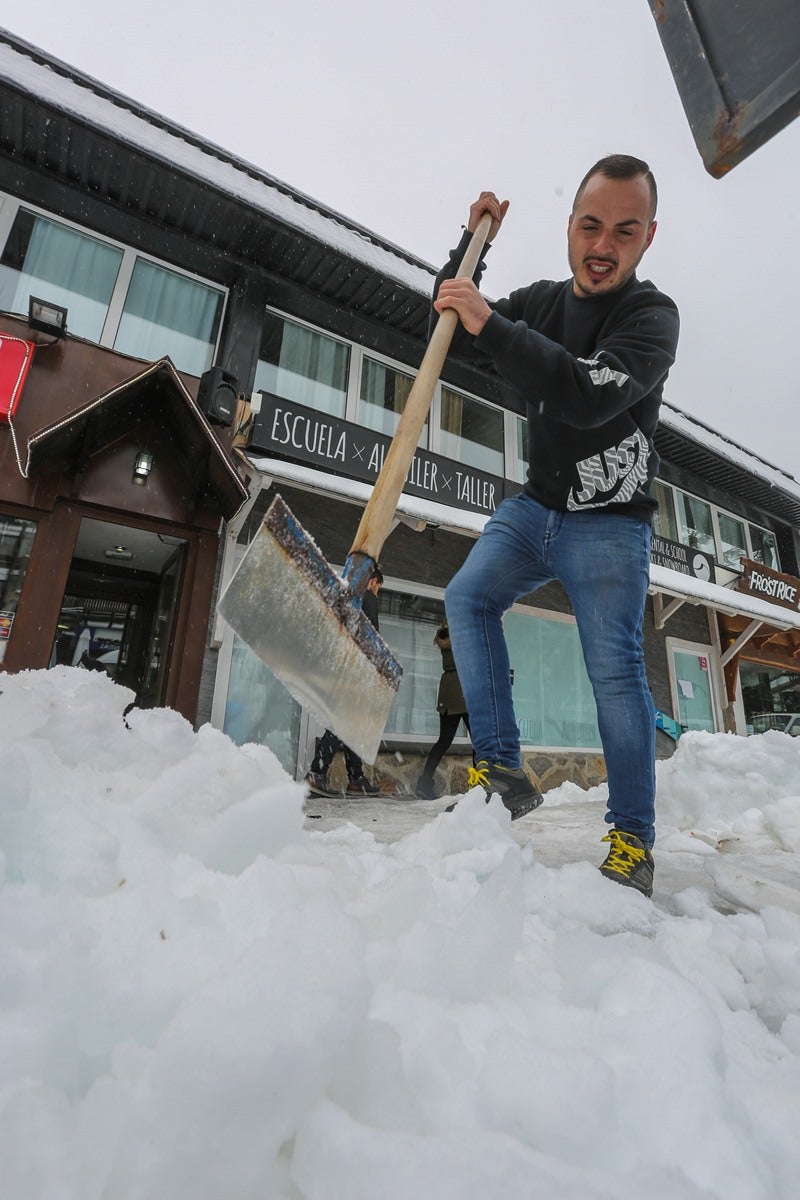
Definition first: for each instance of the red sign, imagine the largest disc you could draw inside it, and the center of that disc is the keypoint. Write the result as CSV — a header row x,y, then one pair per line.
x,y
15,359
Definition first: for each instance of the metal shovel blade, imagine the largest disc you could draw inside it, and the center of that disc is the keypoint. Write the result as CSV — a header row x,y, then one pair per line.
x,y
298,616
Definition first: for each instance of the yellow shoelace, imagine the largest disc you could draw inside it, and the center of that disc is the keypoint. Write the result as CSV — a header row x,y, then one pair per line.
x,y
622,857
478,776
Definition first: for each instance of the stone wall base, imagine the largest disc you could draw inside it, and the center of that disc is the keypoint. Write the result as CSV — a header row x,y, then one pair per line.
x,y
399,772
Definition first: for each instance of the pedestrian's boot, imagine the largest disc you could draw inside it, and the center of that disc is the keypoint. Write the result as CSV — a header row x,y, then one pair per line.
x,y
424,787
361,786
629,862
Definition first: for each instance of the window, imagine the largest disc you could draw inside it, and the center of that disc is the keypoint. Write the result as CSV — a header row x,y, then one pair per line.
x,y
705,527
771,698
472,432
113,295
301,365
553,697
56,263
764,547
167,313
695,525
382,396
664,523
259,709
732,541
408,624
520,468
16,540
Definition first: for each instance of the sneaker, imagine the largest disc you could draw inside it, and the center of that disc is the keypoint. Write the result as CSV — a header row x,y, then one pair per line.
x,y
512,786
317,781
629,862
361,786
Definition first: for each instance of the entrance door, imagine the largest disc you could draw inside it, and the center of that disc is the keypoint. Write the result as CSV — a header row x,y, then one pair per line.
x,y
692,687
117,614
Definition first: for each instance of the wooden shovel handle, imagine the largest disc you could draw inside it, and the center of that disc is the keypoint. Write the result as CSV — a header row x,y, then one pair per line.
x,y
377,516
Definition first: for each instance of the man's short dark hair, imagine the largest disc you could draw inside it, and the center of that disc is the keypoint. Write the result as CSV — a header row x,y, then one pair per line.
x,y
377,573
621,166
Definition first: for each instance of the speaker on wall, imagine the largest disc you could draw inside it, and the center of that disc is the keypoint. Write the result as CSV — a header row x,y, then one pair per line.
x,y
216,396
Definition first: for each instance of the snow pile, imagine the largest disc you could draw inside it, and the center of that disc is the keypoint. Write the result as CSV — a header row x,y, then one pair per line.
x,y
203,996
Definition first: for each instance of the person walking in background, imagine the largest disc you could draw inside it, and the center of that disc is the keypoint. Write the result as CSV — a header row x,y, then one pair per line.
x,y
328,746
452,710
586,360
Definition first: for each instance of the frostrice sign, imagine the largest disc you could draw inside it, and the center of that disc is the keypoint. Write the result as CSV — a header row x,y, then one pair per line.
x,y
767,584
302,434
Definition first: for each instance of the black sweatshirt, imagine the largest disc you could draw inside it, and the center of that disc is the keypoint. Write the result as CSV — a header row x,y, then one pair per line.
x,y
589,373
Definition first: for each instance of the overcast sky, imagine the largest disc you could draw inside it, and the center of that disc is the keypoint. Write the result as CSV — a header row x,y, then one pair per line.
x,y
398,114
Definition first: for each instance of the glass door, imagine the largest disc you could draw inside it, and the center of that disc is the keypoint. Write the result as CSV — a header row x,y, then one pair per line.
x,y
692,686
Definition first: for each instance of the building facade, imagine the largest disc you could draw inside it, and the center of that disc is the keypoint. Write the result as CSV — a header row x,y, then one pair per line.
x,y
248,341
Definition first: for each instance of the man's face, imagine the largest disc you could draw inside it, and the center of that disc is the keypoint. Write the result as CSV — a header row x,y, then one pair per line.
x,y
608,232
374,586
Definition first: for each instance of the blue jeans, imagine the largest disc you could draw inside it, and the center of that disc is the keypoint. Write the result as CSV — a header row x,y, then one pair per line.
x,y
602,561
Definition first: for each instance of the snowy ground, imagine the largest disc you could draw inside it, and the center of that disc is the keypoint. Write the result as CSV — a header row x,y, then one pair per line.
x,y
206,994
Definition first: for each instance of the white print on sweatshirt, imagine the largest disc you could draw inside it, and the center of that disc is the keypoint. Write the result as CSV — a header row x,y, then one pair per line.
x,y
613,474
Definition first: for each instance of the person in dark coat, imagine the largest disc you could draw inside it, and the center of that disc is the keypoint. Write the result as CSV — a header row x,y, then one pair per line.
x,y
452,710
328,746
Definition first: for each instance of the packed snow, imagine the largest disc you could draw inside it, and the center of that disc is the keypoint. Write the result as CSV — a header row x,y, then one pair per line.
x,y
208,992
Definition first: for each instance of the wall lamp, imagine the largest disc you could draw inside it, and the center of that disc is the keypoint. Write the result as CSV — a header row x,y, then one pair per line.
x,y
47,317
142,467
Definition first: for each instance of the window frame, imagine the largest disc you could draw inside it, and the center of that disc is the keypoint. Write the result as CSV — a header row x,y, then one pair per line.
x,y
10,206
716,511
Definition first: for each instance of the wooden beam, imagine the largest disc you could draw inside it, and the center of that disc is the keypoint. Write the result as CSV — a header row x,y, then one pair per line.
x,y
743,637
662,612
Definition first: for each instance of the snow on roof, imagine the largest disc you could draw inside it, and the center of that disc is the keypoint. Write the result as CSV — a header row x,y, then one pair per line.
x,y
154,135
723,447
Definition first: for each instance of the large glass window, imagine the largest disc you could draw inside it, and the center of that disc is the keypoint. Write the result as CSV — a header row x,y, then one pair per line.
x,y
259,709
45,259
472,432
16,540
521,463
765,547
301,365
695,525
408,624
553,697
771,698
383,395
733,541
112,295
169,314
664,523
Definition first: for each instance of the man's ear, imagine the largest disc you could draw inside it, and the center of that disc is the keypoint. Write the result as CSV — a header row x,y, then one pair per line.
x,y
651,233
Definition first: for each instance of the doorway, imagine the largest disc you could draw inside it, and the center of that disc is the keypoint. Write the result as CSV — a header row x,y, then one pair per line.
x,y
692,686
118,610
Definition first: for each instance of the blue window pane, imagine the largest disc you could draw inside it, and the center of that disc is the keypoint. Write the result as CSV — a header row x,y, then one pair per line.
x,y
259,708
303,366
472,432
44,259
553,697
384,392
168,314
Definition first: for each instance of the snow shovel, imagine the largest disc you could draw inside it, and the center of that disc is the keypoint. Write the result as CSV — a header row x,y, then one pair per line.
x,y
303,620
